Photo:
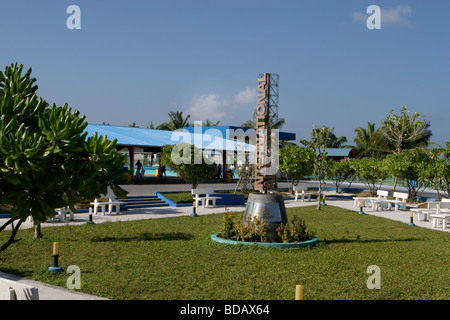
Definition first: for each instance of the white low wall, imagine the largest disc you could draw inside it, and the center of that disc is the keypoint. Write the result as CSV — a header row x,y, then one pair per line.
x,y
13,290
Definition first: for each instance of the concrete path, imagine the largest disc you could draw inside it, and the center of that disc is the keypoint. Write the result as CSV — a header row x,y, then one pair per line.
x,y
49,292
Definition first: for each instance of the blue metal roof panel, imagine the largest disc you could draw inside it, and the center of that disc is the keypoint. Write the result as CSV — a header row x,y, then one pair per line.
x,y
141,137
338,152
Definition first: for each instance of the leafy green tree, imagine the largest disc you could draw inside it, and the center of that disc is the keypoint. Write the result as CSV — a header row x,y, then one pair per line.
x,y
296,162
339,172
371,172
187,161
320,140
405,131
438,172
177,121
46,159
409,165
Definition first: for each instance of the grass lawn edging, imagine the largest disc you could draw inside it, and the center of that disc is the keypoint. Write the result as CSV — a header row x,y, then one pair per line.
x,y
280,245
226,199
170,202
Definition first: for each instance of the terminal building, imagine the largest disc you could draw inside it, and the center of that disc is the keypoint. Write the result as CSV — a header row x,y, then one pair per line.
x,y
220,144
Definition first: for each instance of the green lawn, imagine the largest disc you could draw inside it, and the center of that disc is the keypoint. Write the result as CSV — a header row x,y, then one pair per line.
x,y
175,258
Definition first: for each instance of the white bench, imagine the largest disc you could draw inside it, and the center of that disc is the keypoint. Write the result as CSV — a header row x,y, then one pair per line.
x,y
14,290
362,201
433,207
102,205
61,213
441,218
302,194
204,200
400,199
380,202
374,202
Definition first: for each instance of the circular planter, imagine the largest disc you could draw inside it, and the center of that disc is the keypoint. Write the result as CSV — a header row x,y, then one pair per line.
x,y
280,245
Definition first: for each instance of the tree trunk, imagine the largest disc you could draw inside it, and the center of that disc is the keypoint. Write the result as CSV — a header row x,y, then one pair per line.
x,y
11,239
319,196
37,231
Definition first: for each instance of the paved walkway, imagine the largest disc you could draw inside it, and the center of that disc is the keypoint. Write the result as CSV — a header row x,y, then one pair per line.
x,y
49,292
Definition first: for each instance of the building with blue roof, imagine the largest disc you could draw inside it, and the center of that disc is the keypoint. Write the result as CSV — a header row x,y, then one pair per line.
x,y
341,154
212,140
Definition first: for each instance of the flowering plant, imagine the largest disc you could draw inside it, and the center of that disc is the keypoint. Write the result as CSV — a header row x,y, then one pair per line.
x,y
253,230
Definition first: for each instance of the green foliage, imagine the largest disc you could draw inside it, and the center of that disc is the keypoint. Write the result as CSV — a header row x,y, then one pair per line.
x,y
321,138
228,228
405,131
294,231
187,161
340,171
412,165
46,161
369,142
370,171
438,173
296,161
255,230
252,230
177,121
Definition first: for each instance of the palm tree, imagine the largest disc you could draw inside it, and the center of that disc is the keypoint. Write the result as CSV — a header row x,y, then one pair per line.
x,y
368,142
404,131
327,136
209,123
336,142
274,122
176,121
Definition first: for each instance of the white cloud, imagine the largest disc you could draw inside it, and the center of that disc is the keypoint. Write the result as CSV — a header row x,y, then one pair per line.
x,y
209,106
246,96
235,108
398,16
358,16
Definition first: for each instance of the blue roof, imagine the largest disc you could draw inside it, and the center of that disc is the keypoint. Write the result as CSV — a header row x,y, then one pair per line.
x,y
141,137
338,152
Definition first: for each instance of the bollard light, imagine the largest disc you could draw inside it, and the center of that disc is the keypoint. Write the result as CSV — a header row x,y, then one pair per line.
x,y
55,267
361,211
193,214
323,201
298,292
411,220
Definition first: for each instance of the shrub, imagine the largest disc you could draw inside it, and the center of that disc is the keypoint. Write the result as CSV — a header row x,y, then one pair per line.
x,y
228,230
294,231
253,230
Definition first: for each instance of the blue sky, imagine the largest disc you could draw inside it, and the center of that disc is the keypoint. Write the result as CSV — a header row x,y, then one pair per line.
x,y
138,60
